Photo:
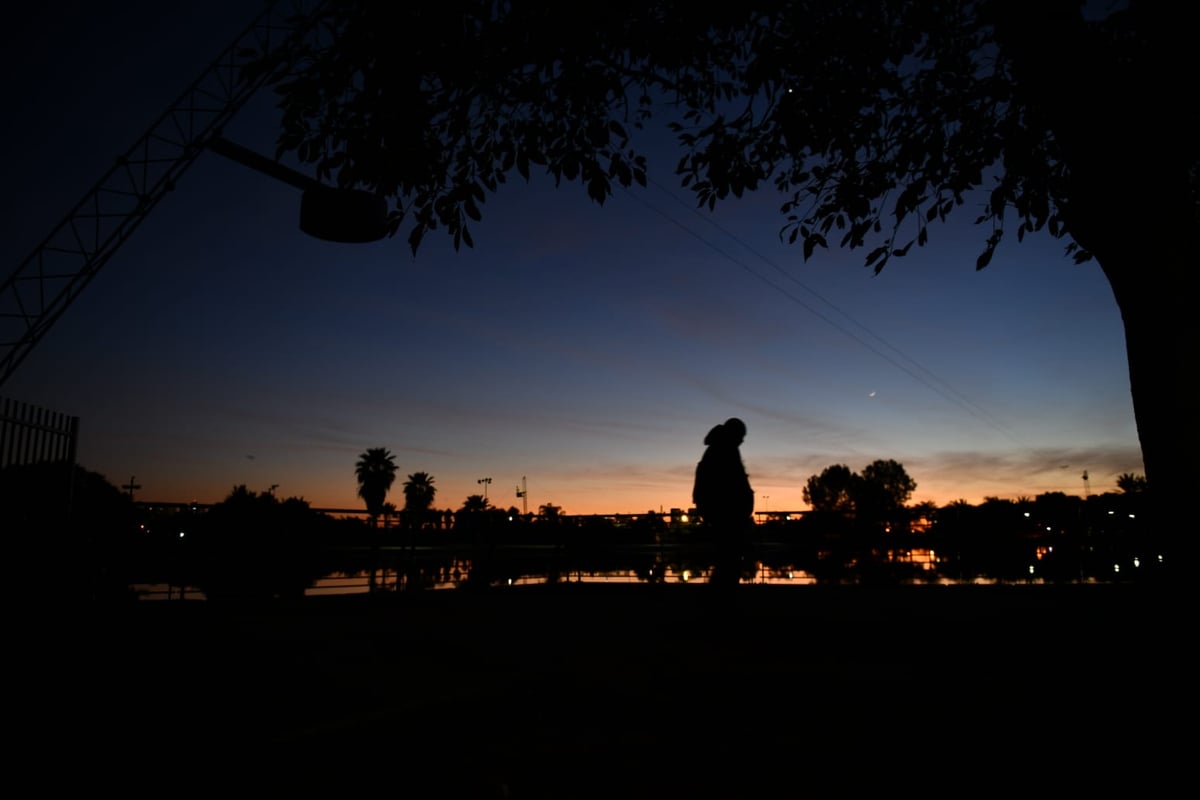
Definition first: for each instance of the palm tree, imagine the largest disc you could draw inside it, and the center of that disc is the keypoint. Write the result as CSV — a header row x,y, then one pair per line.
x,y
1131,483
418,496
375,471
475,504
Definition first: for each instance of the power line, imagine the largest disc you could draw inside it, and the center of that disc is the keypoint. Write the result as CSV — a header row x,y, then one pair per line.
x,y
917,372
916,364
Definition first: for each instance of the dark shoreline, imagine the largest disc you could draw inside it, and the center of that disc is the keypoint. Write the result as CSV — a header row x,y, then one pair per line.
x,y
592,690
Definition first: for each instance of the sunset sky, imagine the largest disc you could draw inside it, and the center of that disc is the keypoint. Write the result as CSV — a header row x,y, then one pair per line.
x,y
586,348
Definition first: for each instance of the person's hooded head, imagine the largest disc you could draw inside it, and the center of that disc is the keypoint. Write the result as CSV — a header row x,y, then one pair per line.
x,y
714,435
730,433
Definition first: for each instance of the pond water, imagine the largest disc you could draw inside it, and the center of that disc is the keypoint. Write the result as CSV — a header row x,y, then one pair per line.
x,y
456,573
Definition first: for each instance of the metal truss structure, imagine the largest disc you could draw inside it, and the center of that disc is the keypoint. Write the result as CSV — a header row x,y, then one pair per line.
x,y
37,293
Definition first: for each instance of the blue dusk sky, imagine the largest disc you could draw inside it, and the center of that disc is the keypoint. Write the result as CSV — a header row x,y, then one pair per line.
x,y
586,349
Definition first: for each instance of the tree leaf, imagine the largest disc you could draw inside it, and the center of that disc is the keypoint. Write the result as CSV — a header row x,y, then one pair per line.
x,y
875,255
471,209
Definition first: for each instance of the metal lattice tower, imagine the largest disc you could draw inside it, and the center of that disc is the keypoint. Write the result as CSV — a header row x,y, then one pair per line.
x,y
37,293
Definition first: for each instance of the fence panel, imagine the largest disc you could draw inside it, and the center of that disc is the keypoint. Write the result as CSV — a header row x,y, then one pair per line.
x,y
30,434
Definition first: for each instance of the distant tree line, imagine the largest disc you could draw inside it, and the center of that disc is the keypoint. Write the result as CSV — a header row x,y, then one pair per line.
x,y
254,545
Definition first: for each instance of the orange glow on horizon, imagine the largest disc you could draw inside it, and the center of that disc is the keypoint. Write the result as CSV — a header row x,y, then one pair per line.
x,y
582,501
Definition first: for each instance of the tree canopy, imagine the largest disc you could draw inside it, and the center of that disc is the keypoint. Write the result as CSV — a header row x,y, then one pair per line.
x,y
872,119
419,492
375,472
1129,483
832,490
888,484
878,493
475,504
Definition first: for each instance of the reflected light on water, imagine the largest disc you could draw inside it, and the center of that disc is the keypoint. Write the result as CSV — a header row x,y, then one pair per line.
x,y
440,580
167,591
787,577
921,557
913,565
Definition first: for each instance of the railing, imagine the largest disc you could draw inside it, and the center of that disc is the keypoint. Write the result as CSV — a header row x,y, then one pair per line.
x,y
30,435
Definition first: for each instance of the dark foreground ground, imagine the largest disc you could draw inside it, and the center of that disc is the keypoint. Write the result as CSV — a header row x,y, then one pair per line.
x,y
584,691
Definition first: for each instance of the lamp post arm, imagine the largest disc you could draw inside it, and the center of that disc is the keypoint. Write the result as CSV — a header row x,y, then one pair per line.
x,y
260,163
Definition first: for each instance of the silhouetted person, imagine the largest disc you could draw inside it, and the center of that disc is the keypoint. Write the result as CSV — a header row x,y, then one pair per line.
x,y
724,499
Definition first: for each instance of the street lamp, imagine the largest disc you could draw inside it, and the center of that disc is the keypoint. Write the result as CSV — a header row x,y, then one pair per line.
x,y
485,482
333,214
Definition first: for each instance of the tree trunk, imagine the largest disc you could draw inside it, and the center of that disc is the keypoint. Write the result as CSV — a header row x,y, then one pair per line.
x,y
1122,125
1137,218
372,581
1156,293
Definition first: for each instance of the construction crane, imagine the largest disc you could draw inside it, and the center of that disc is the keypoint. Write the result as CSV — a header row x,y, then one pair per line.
x,y
43,286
